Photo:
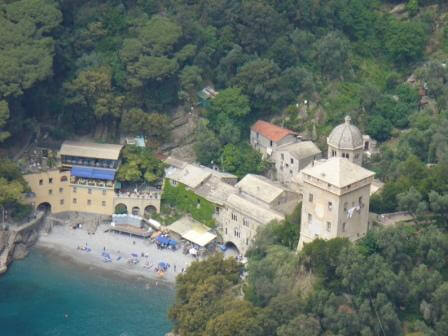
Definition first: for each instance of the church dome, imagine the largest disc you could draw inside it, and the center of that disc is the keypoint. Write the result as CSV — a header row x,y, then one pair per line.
x,y
345,136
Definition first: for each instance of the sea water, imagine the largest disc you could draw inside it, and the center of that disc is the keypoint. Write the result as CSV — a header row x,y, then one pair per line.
x,y
47,295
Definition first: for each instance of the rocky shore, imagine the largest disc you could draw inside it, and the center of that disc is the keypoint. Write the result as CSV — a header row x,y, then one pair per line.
x,y
16,240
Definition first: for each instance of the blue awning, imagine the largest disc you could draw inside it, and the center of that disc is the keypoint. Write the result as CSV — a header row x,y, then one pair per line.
x,y
93,173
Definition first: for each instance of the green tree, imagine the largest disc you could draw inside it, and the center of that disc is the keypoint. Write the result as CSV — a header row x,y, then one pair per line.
x,y
409,200
140,164
242,160
4,115
207,146
405,41
231,103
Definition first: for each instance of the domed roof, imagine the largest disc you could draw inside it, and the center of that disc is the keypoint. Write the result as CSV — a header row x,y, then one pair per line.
x,y
345,136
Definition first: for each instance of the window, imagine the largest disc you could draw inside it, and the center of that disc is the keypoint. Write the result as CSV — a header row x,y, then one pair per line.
x,y
356,156
50,180
234,217
290,172
41,182
247,241
328,226
61,202
270,142
330,206
50,192
173,182
217,210
103,203
345,206
310,198
226,230
74,189
89,191
310,218
104,192
282,156
89,202
75,201
61,190
292,161
347,156
64,179
343,227
360,202
245,222
333,153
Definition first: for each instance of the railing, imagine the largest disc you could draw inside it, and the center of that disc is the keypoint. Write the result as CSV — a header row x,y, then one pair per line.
x,y
141,196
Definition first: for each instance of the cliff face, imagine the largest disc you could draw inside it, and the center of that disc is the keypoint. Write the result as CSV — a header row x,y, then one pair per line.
x,y
15,242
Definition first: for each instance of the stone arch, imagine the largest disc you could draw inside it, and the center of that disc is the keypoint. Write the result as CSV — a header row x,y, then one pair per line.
x,y
121,208
136,211
64,178
150,210
45,207
231,246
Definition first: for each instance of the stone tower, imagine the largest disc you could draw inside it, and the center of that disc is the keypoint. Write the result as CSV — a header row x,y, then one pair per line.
x,y
346,141
335,202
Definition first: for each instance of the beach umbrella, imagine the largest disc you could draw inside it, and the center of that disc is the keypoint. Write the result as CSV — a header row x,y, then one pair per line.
x,y
135,255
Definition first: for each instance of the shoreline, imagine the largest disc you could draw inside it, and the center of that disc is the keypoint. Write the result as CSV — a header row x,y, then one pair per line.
x,y
64,242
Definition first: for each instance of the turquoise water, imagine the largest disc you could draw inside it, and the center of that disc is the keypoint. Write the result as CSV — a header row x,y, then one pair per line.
x,y
43,295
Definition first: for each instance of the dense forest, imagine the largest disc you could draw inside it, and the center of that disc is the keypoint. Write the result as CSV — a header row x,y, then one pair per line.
x,y
101,68
393,282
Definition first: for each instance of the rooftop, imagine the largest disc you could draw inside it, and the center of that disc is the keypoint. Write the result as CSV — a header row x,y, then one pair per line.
x,y
260,187
175,162
271,131
191,175
346,136
300,150
337,171
91,150
192,230
215,190
253,210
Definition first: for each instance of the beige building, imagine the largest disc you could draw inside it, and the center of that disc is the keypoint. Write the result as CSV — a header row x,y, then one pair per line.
x,y
257,202
335,202
290,159
346,141
241,208
85,182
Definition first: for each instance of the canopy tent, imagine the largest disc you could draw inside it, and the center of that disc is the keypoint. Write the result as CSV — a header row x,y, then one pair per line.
x,y
93,173
166,241
192,230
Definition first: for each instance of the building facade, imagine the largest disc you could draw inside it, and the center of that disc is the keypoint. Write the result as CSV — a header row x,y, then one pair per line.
x,y
290,159
85,182
336,194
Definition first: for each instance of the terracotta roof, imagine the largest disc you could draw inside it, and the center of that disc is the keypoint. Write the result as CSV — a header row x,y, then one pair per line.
x,y
271,131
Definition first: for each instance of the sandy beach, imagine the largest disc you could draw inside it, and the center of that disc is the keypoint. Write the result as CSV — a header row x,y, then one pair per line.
x,y
65,241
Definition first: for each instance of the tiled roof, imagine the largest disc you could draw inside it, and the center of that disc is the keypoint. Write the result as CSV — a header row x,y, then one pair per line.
x,y
271,131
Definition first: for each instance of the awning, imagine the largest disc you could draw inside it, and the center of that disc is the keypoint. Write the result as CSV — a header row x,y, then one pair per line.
x,y
93,173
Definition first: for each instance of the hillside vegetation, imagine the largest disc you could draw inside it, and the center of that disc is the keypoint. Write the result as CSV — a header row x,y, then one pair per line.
x,y
104,67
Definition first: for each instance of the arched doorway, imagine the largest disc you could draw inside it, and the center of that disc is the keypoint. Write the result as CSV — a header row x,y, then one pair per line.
x,y
136,211
150,210
121,209
45,207
231,250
